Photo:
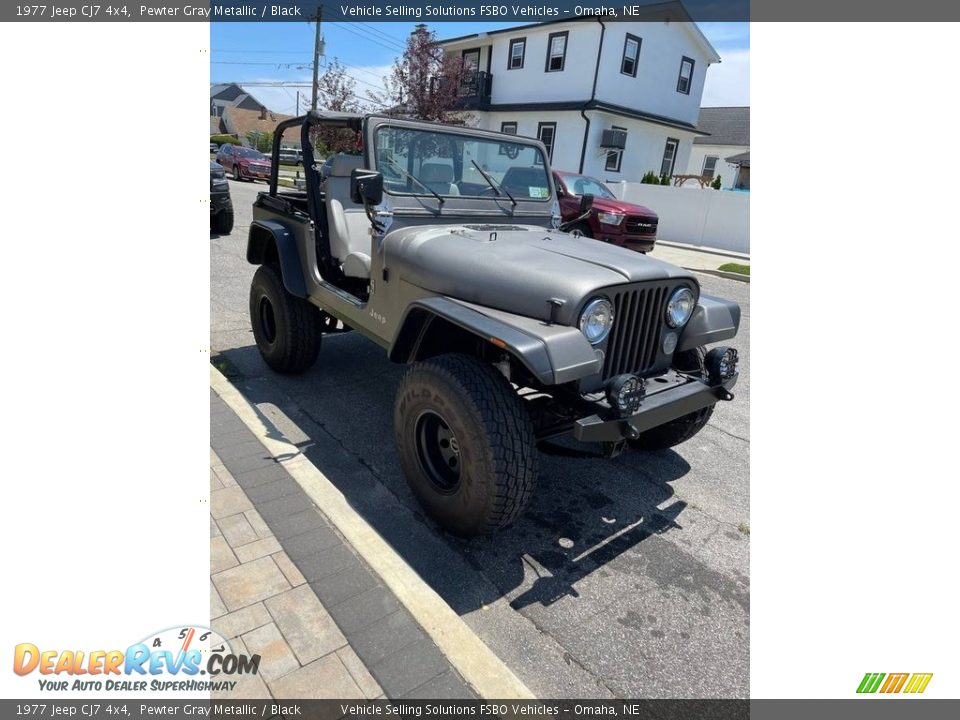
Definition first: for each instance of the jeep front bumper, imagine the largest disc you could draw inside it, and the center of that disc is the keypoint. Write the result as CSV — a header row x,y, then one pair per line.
x,y
668,397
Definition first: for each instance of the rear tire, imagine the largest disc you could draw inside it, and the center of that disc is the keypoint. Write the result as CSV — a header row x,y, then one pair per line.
x,y
683,428
222,222
466,444
285,327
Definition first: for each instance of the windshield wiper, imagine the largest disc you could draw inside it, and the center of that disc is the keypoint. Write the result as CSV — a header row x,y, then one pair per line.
x,y
413,177
497,187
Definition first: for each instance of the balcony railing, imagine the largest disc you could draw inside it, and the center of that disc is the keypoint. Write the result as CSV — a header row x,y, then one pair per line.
x,y
472,91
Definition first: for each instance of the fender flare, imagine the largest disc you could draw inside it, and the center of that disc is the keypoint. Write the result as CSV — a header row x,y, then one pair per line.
x,y
554,354
269,241
714,319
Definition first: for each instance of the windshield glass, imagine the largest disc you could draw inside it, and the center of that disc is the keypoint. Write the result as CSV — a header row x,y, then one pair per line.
x,y
250,153
441,161
582,185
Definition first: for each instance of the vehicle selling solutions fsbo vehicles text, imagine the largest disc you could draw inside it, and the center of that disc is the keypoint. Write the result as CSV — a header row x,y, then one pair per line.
x,y
409,11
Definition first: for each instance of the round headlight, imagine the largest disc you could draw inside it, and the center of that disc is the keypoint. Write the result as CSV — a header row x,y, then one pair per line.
x,y
596,320
680,307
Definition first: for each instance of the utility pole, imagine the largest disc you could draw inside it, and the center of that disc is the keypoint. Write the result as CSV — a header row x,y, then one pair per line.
x,y
317,52
296,109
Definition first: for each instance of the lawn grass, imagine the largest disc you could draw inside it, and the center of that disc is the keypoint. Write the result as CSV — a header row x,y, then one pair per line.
x,y
735,268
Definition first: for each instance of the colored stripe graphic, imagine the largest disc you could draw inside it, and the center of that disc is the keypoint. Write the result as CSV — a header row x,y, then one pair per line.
x,y
918,682
870,682
894,682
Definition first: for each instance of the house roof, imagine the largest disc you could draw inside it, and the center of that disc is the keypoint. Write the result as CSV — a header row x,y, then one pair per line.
x,y
241,122
724,126
741,159
670,10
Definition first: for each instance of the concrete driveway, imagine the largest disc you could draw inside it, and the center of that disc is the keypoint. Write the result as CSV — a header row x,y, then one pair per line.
x,y
625,577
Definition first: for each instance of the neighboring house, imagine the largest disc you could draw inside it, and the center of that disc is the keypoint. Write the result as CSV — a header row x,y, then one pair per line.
x,y
229,95
609,99
725,149
241,122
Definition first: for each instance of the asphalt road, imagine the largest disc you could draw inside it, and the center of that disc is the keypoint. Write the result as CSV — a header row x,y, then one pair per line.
x,y
625,577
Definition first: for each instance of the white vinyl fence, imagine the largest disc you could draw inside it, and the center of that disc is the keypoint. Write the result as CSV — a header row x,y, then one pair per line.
x,y
716,219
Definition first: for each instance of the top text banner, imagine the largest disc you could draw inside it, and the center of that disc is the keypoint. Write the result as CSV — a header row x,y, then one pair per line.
x,y
478,11
371,11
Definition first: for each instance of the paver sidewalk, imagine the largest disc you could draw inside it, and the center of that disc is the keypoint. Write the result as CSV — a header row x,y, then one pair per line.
x,y
285,585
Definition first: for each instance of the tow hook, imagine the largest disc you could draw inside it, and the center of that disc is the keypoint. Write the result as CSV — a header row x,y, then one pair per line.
x,y
724,394
630,432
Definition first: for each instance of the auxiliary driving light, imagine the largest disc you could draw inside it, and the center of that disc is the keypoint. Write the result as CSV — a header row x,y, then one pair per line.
x,y
625,393
721,363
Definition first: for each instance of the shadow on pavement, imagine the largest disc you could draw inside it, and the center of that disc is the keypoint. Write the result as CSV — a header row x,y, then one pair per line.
x,y
586,511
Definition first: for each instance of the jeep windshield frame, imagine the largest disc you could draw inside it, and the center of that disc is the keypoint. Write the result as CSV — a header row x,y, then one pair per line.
x,y
412,145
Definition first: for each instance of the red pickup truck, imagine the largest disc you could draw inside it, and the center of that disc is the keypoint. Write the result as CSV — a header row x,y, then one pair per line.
x,y
611,220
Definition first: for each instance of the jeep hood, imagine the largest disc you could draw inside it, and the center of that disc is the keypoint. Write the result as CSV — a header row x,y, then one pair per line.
x,y
516,268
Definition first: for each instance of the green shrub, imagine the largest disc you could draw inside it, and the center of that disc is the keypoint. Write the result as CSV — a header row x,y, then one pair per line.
x,y
717,182
224,140
650,178
665,180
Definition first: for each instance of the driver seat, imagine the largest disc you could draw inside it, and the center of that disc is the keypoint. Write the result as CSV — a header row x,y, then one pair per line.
x,y
347,224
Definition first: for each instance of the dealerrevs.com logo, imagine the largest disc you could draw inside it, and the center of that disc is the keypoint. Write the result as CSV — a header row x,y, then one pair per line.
x,y
181,659
892,683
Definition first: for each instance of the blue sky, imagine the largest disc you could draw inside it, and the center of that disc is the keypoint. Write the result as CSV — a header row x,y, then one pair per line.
x,y
255,53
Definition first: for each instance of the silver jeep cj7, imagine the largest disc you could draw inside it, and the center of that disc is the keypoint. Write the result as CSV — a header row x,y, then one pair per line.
x,y
444,246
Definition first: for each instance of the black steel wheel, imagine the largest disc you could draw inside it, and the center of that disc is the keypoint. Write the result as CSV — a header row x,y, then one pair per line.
x,y
466,444
286,328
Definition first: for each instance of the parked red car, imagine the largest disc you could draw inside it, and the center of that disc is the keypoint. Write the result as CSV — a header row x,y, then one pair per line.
x,y
611,220
244,163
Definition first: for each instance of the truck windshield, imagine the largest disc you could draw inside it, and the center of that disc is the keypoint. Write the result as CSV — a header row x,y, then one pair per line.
x,y
449,164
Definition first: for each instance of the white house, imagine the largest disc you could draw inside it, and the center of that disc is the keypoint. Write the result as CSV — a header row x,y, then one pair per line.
x,y
609,99
725,150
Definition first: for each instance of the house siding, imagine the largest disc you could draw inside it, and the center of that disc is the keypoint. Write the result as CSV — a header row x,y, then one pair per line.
x,y
653,92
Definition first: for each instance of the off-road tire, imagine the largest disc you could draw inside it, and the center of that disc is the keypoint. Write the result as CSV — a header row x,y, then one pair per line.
x,y
222,222
285,327
497,448
683,428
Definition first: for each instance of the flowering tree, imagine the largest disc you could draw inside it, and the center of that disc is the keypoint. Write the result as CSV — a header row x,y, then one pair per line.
x,y
337,92
423,83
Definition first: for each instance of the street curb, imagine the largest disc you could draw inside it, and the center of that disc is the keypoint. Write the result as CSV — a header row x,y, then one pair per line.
x,y
471,657
704,250
724,274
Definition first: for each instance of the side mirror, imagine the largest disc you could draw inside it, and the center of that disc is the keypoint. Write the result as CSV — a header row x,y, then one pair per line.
x,y
586,203
366,186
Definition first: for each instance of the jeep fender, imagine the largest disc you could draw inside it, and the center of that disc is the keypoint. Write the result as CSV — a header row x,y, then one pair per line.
x,y
270,241
554,354
714,319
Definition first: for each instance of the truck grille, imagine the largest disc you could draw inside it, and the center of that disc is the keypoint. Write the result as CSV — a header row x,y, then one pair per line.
x,y
637,225
635,337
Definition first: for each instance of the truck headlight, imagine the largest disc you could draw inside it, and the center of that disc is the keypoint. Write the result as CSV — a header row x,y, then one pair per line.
x,y
721,363
596,320
610,218
680,307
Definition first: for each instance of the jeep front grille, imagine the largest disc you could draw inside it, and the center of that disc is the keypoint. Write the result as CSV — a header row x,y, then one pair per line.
x,y
635,337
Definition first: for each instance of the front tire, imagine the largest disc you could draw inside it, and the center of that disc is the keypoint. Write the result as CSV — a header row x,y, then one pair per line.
x,y
285,327
685,427
466,444
222,222
584,229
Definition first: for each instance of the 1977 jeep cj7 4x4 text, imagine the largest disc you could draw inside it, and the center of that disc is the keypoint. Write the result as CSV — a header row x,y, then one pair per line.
x,y
441,244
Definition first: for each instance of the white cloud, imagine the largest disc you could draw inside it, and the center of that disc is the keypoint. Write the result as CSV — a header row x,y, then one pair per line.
x,y
728,83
